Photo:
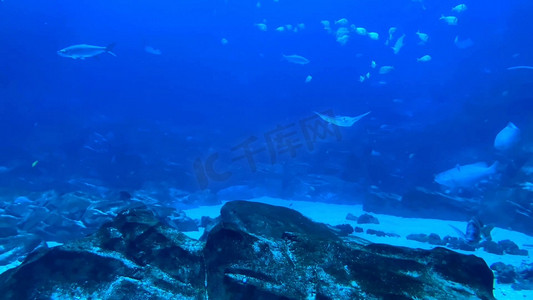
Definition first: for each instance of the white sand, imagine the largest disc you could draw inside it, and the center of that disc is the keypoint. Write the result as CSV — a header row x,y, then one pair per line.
x,y
335,214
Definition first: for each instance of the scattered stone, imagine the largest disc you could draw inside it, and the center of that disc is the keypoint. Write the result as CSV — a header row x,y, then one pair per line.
x,y
504,273
492,247
510,247
419,237
381,233
434,239
367,219
351,217
344,229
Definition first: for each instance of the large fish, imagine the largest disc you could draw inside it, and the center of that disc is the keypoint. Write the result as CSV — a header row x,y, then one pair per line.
x,y
507,138
341,120
84,51
466,176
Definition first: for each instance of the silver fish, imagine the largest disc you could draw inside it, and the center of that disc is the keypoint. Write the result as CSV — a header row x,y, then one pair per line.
x,y
296,59
342,121
466,176
84,51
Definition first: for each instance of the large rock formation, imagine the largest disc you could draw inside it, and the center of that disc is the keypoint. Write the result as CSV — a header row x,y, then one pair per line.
x,y
254,251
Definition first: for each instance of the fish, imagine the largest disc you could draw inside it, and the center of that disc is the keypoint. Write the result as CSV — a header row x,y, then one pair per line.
x,y
83,51
398,45
152,50
392,30
466,176
520,68
475,231
342,121
280,29
326,25
224,41
296,59
360,30
386,69
342,35
424,37
308,78
343,39
373,64
462,44
460,8
451,20
424,58
507,138
261,26
373,36
342,21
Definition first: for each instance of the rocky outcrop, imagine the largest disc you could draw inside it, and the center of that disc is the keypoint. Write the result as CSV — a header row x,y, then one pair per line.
x,y
253,251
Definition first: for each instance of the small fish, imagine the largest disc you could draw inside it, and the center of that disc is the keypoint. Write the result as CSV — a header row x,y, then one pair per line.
x,y
462,44
261,26
507,138
280,29
224,41
360,30
343,39
152,50
301,26
424,58
460,8
398,45
373,36
342,121
451,20
466,176
296,59
84,51
521,68
326,25
373,64
34,164
342,21
308,78
392,30
362,78
424,37
386,69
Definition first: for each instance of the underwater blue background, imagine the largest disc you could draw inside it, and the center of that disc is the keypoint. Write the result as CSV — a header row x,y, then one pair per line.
x,y
137,119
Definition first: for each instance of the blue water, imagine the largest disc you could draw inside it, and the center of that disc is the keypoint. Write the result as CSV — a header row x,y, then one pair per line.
x,y
140,119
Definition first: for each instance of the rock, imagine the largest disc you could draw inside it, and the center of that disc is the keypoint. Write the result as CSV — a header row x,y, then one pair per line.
x,y
457,243
344,229
504,273
367,219
510,247
351,217
434,239
420,237
381,233
255,251
205,221
359,229
492,247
